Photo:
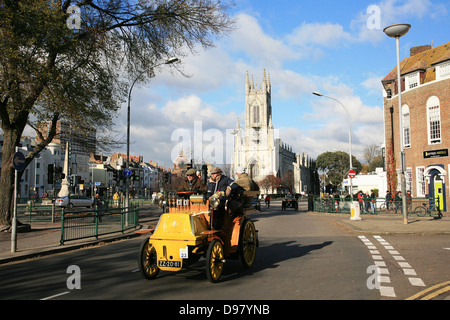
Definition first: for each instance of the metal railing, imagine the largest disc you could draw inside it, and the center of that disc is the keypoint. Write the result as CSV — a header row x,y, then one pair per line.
x,y
419,206
80,224
37,212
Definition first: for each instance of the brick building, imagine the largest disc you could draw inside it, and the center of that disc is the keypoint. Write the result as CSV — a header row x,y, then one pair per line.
x,y
425,85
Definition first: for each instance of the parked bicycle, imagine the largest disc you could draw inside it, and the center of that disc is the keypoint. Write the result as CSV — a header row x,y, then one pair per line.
x,y
428,208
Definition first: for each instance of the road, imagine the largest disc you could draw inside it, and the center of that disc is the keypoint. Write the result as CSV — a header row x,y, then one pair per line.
x,y
301,256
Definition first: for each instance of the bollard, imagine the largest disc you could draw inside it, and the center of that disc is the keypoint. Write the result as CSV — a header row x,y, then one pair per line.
x,y
354,211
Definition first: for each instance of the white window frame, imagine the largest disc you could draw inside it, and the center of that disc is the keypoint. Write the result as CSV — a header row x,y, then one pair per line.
x,y
406,124
408,178
421,183
443,71
411,81
434,121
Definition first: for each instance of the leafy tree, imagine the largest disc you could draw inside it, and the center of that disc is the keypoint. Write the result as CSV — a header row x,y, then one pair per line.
x,y
336,166
49,72
270,182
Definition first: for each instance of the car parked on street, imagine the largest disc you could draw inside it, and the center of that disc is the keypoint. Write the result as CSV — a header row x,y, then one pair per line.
x,y
75,201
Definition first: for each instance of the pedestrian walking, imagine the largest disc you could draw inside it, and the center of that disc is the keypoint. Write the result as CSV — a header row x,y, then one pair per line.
x,y
366,202
360,201
388,199
398,202
267,200
372,201
98,203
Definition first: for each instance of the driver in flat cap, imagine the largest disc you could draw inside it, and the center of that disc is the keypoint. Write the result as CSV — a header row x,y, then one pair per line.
x,y
193,182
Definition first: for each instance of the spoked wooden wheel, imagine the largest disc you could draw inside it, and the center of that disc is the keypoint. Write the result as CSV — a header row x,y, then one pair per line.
x,y
248,243
214,261
148,261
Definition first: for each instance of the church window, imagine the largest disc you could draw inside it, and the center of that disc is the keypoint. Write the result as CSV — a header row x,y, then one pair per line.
x,y
255,111
254,170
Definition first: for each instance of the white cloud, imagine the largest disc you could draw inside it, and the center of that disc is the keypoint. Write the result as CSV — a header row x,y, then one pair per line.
x,y
251,39
320,34
222,69
373,84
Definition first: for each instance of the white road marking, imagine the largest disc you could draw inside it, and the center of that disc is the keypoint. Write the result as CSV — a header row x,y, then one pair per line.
x,y
387,291
56,295
406,267
417,282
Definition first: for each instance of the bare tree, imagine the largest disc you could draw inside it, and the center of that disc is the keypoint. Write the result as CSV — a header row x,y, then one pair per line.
x,y
80,74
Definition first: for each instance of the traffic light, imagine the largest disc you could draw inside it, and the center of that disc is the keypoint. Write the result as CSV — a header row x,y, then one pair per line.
x,y
167,177
59,175
50,174
79,180
134,176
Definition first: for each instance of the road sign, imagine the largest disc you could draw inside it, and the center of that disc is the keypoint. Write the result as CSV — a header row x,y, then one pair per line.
x,y
351,174
19,161
126,172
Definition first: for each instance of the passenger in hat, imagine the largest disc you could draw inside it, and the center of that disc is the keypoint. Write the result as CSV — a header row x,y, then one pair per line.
x,y
245,181
223,186
193,182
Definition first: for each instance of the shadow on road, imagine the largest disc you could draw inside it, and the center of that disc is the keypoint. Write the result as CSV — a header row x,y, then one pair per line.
x,y
270,257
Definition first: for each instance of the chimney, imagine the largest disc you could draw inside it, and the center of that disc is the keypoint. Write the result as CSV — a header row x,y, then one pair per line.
x,y
419,49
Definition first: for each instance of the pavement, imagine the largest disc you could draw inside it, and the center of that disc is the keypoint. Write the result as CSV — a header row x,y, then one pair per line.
x,y
44,237
391,224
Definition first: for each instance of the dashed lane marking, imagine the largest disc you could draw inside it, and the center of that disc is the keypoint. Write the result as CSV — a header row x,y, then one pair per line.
x,y
383,278
408,271
406,267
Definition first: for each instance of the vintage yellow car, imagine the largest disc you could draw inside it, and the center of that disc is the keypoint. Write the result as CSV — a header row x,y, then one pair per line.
x,y
185,234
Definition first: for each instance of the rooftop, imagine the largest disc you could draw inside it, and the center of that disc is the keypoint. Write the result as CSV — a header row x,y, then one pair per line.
x,y
422,58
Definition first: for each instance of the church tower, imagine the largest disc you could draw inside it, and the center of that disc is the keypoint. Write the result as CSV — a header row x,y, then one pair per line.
x,y
258,104
255,149
258,148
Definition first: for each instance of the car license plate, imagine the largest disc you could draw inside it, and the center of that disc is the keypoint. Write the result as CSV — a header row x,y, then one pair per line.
x,y
169,264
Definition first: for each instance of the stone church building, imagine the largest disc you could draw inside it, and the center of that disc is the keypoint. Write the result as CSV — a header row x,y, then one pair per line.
x,y
259,149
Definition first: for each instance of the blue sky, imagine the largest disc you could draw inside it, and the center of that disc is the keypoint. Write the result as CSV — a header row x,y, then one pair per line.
x,y
305,46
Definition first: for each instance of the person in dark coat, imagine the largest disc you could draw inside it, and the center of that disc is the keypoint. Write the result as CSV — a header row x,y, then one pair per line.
x,y
222,186
193,183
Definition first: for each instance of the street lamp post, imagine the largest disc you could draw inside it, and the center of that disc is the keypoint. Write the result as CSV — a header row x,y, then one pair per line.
x,y
396,31
349,135
127,179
